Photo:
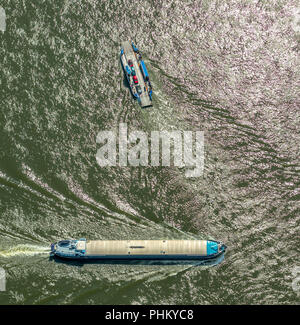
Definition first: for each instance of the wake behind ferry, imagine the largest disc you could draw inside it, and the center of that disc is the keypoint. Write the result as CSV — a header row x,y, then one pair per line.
x,y
83,249
136,74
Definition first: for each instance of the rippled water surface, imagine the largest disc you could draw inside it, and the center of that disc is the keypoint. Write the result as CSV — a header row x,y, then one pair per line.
x,y
228,68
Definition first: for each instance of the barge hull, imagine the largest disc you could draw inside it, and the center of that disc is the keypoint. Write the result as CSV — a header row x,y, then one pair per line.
x,y
138,249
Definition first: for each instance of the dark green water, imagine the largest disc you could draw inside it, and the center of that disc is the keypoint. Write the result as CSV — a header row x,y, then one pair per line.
x,y
228,68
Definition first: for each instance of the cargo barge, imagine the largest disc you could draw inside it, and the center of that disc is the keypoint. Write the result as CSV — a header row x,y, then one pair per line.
x,y
136,73
83,249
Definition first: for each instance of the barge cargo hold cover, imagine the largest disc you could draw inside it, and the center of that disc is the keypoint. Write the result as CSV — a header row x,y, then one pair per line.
x,y
138,249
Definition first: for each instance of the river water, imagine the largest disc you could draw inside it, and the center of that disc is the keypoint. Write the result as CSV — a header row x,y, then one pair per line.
x,y
229,68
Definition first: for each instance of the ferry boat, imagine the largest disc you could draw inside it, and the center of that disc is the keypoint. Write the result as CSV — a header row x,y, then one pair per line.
x,y
136,73
83,249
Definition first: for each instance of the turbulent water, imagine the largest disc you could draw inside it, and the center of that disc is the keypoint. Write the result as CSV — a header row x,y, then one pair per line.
x,y
228,68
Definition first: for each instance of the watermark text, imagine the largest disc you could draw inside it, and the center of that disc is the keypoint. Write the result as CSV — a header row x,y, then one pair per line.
x,y
138,149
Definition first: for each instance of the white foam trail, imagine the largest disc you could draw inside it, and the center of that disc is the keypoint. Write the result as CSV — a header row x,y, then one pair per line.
x,y
26,250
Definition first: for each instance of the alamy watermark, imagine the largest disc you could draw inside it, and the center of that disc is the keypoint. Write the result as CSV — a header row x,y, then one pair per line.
x,y
137,149
2,20
2,279
296,280
296,20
